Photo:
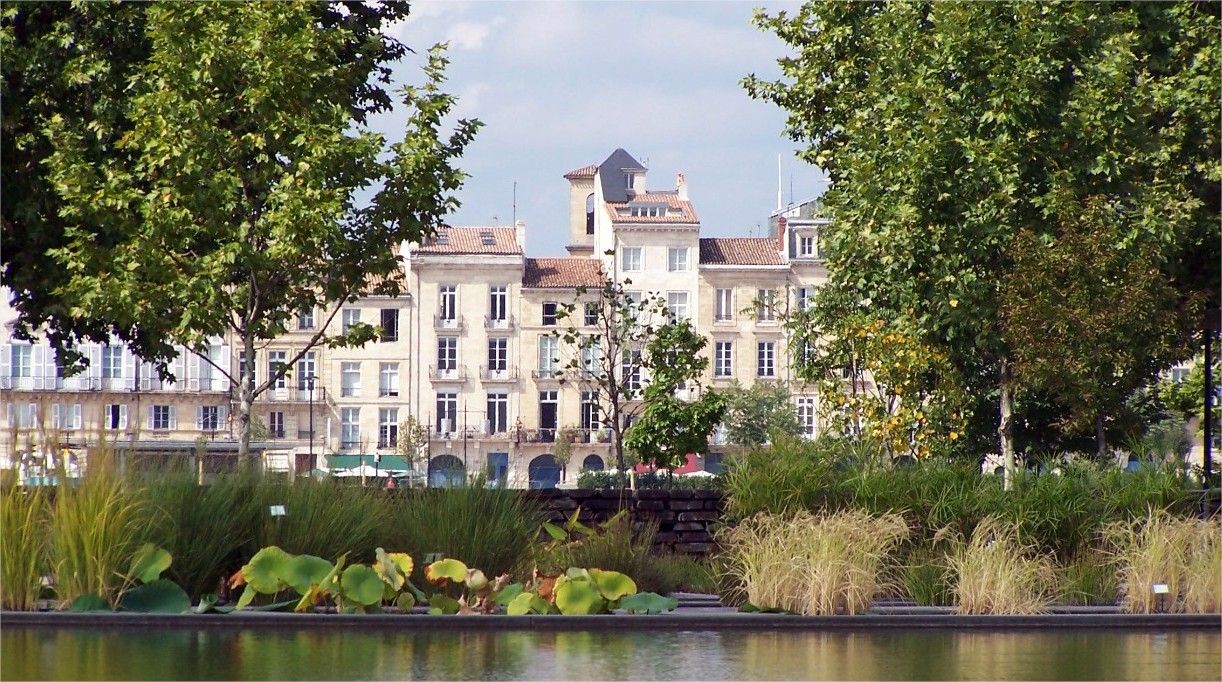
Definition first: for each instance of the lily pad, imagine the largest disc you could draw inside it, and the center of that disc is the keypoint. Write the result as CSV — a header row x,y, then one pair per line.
x,y
579,598
451,570
149,562
394,568
648,602
266,570
158,596
304,571
440,604
527,603
612,584
88,602
509,593
362,585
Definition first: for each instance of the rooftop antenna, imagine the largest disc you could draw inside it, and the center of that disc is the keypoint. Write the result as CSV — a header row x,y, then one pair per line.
x,y
496,220
780,202
515,202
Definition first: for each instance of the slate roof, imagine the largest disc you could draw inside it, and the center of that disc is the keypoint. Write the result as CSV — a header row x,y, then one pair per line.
x,y
670,199
562,273
739,251
471,240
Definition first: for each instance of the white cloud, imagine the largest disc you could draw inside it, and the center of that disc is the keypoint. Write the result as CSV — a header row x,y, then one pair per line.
x,y
468,35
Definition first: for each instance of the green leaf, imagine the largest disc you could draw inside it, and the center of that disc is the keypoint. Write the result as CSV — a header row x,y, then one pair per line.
x,y
527,603
149,562
555,531
648,602
508,594
88,602
612,585
266,570
361,585
441,604
248,595
158,596
405,602
451,570
207,603
305,570
579,597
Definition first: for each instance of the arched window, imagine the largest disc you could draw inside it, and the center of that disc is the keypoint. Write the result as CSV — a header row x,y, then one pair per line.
x,y
544,472
446,471
592,463
590,214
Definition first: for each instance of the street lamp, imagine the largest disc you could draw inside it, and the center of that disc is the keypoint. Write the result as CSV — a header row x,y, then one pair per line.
x,y
310,385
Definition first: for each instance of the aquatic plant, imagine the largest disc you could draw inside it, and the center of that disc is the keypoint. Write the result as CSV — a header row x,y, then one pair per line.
x,y
997,571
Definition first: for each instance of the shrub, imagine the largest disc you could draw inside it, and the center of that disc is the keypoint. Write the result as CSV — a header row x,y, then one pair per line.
x,y
785,478
820,564
1090,579
1185,554
23,547
996,571
492,528
602,480
322,518
926,579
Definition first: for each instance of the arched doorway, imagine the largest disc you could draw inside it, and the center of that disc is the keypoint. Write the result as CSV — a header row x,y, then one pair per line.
x,y
592,463
446,471
544,472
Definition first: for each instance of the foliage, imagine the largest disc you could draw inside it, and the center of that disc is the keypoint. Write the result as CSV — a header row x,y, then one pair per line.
x,y
352,588
1185,554
1089,580
927,580
823,564
494,528
153,594
322,518
413,439
997,571
230,204
759,414
23,547
1186,398
614,546
949,129
649,480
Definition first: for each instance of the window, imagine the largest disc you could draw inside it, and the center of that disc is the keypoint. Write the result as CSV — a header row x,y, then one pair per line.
x,y
390,324
448,311
630,370
305,318
589,411
161,417
590,214
306,372
806,297
388,379
647,211
112,362
498,413
765,305
498,354
242,367
498,303
631,259
349,427
23,416
627,180
676,259
549,313
723,308
447,353
806,246
388,427
349,318
591,354
22,366
547,416
276,360
66,417
1178,374
676,303
349,379
549,350
766,359
591,314
806,415
447,412
275,424
723,359
209,418
114,417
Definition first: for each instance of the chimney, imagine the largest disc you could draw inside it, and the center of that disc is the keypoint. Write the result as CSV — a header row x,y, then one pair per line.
x,y
519,234
781,238
681,185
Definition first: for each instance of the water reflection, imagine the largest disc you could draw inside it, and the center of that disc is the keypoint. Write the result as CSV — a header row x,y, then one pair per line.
x,y
350,654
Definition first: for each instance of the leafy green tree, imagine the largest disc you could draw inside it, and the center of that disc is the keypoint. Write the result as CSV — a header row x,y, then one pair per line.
x,y
1186,398
233,197
671,427
950,128
759,414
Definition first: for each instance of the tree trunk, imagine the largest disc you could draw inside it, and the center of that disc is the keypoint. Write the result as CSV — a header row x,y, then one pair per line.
x,y
1005,429
246,390
1100,438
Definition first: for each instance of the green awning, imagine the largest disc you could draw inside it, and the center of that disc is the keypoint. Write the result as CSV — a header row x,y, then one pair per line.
x,y
387,463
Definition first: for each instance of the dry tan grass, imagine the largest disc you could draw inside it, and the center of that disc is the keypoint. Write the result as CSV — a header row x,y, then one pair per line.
x,y
1183,553
996,571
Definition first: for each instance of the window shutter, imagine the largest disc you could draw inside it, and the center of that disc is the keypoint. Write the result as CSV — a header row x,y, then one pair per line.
x,y
38,369
76,417
193,381
6,371
57,417
152,411
173,417
129,369
122,417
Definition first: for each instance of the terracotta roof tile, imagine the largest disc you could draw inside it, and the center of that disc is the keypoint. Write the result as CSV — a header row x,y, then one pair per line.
x,y
618,210
472,240
562,273
739,251
583,172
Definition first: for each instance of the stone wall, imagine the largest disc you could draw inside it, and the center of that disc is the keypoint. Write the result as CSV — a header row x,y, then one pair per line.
x,y
685,518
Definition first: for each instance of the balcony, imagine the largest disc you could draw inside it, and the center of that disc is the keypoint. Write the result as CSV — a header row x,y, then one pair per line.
x,y
498,323
455,323
545,374
507,375
456,374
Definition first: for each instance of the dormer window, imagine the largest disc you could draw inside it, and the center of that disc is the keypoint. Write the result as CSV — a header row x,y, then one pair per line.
x,y
627,180
647,210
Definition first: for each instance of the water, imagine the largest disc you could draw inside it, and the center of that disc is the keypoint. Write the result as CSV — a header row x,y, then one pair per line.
x,y
267,654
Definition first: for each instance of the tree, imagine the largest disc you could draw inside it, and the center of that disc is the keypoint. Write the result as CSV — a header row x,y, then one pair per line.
x,y
671,427
413,438
759,414
608,357
232,199
950,128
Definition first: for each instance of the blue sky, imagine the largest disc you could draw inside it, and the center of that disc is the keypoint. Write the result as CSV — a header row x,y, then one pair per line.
x,y
560,85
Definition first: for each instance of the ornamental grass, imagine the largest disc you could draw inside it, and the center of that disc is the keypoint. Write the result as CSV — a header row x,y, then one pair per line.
x,y
1184,554
23,547
813,564
997,571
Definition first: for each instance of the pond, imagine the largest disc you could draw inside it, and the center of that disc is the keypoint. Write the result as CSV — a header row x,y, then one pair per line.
x,y
59,653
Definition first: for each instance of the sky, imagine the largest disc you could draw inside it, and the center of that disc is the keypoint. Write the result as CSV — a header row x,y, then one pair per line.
x,y
560,85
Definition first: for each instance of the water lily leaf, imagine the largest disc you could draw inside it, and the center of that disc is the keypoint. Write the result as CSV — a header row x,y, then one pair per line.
x,y
509,593
405,601
207,602
579,598
248,595
527,603
361,585
439,572
158,596
149,562
648,602
304,571
612,584
391,568
402,561
278,606
577,573
443,605
476,580
88,602
266,570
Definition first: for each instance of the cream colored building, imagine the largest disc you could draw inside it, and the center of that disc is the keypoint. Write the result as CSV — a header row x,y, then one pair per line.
x,y
470,351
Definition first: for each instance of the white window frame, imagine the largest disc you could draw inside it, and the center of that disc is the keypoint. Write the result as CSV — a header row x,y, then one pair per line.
x,y
498,354
804,405
305,318
447,302
349,379
447,353
806,246
112,362
73,412
765,359
765,305
498,412
22,356
277,359
273,417
549,354
349,427
349,318
677,304
676,259
388,380
307,367
632,258
447,412
388,427
723,305
498,303
114,417
161,417
723,358
208,422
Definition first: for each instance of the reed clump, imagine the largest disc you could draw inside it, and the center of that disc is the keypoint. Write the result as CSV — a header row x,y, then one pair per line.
x,y
1185,554
23,547
997,571
813,564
